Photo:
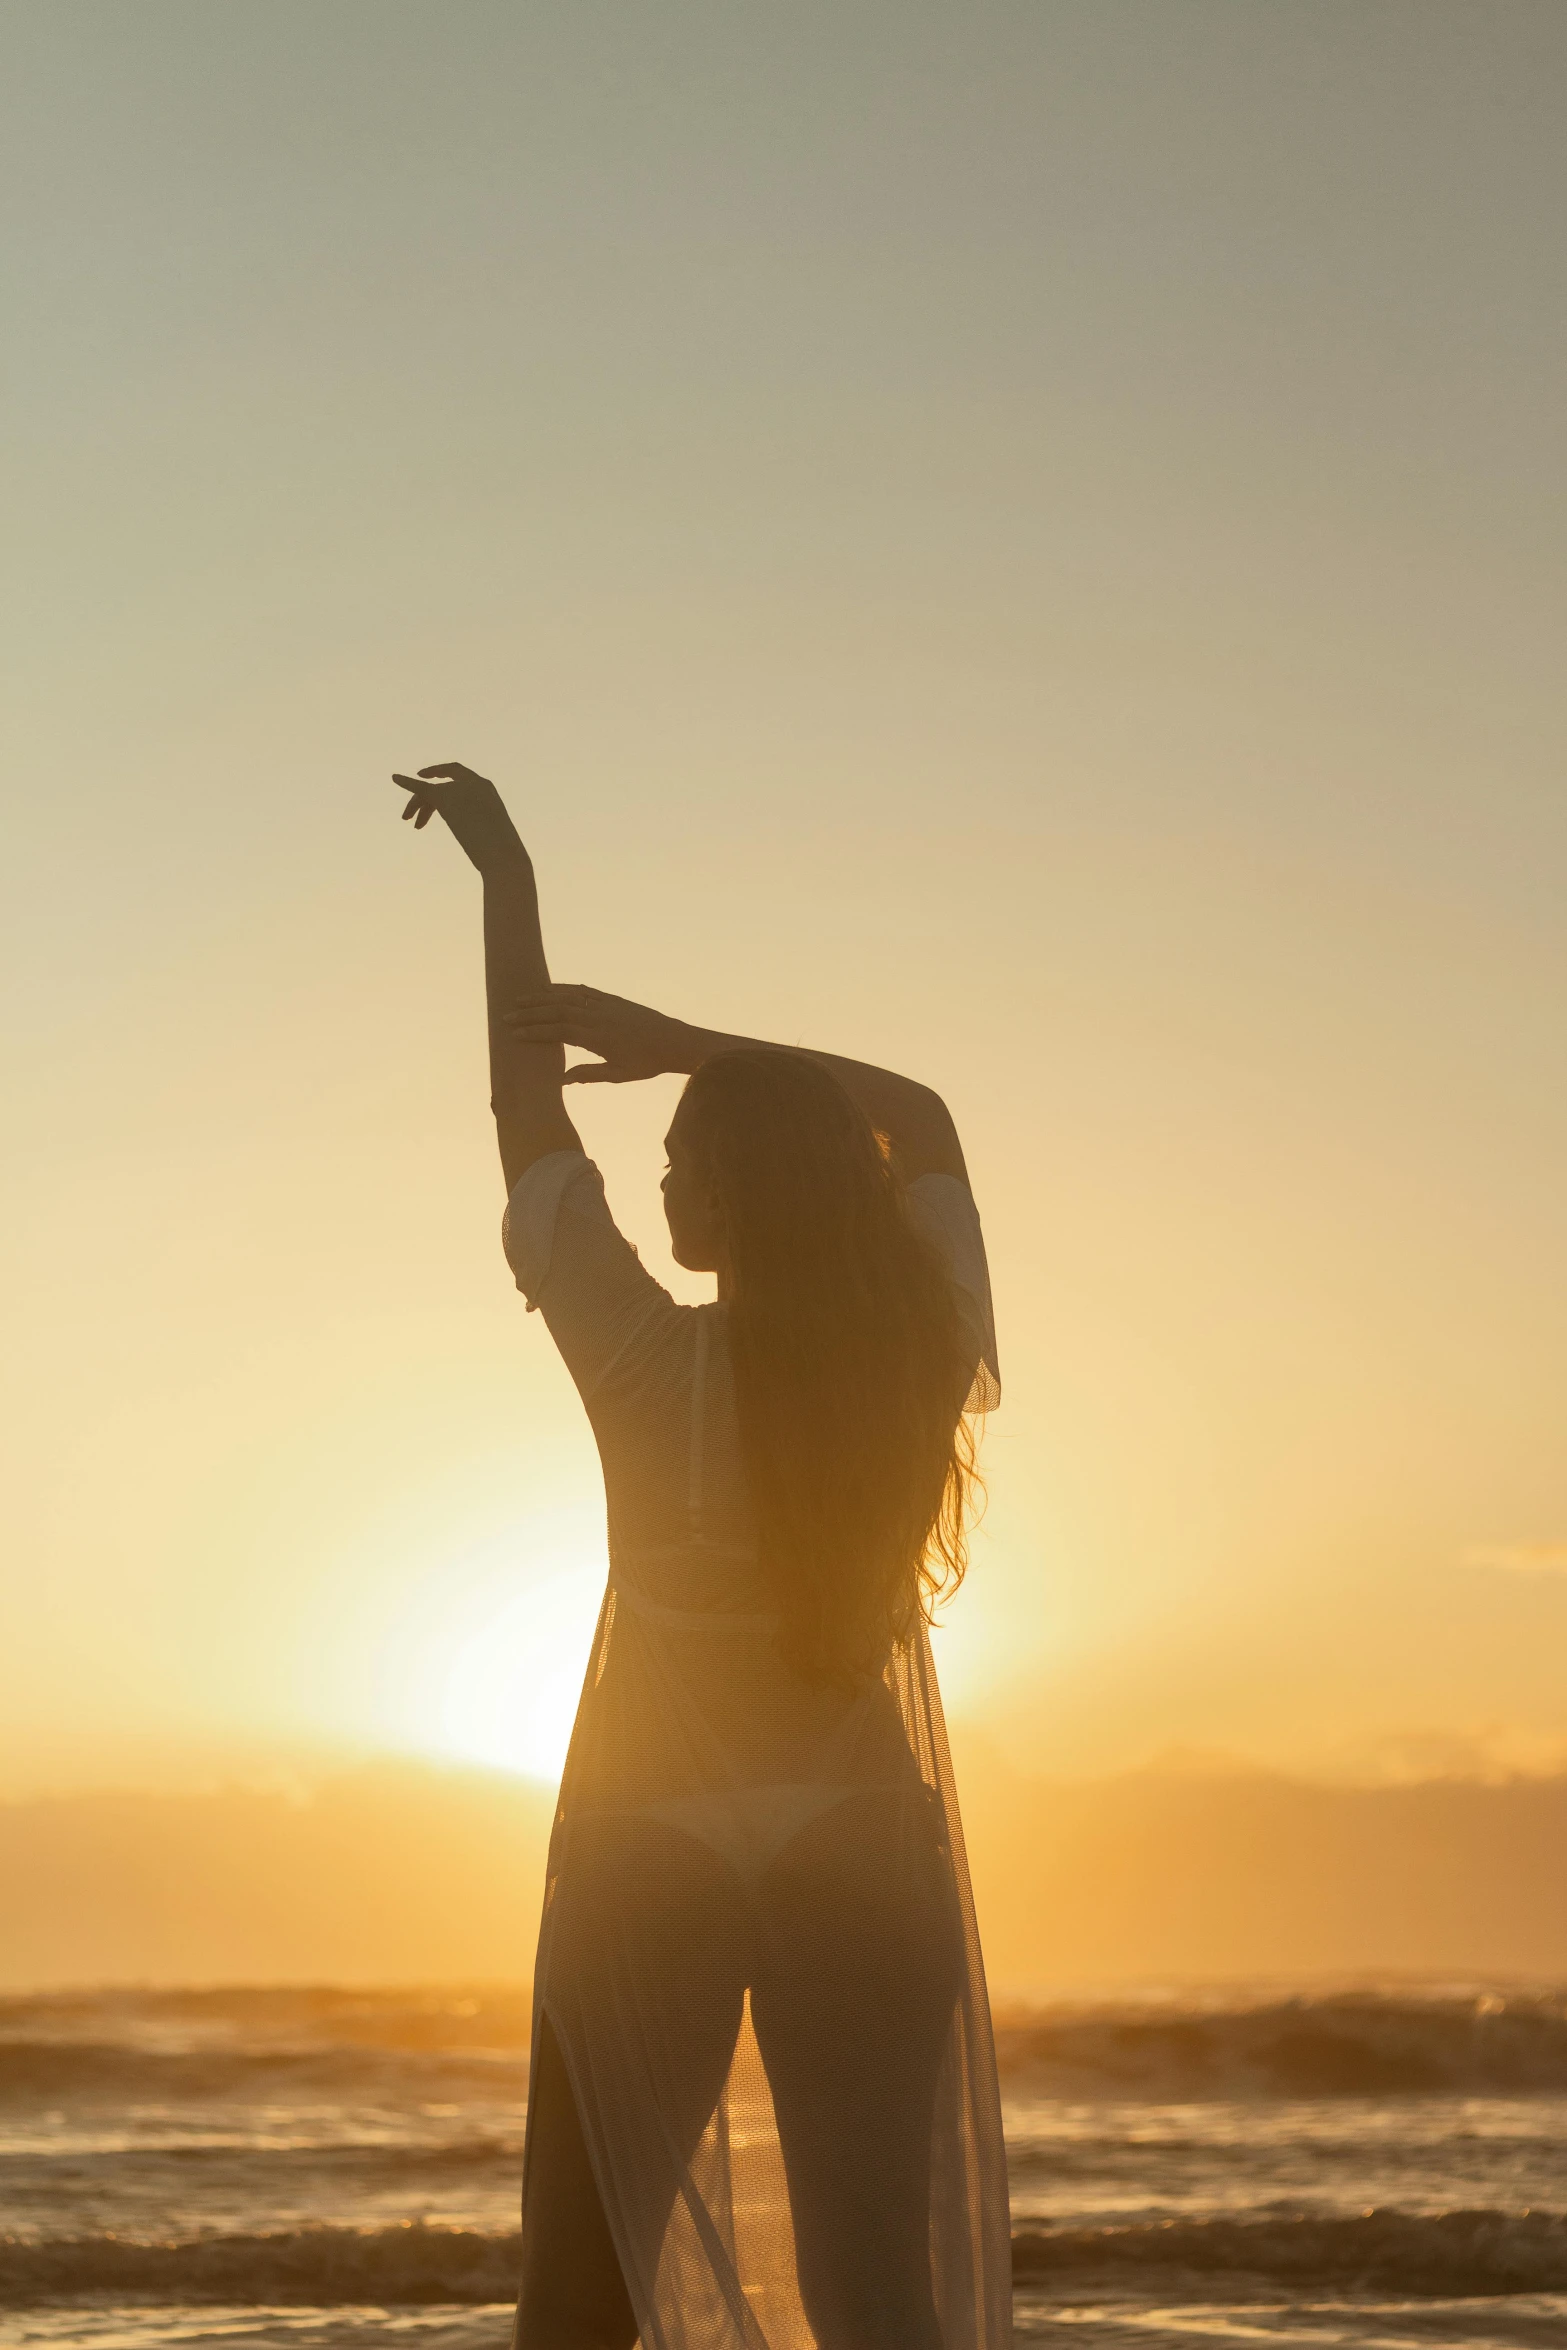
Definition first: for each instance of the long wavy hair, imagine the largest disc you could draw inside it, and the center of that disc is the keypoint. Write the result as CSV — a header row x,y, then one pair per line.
x,y
850,1366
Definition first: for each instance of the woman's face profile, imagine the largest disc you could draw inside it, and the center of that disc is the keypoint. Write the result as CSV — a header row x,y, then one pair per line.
x,y
696,1236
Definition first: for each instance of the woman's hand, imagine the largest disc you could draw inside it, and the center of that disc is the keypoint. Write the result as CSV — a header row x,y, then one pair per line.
x,y
630,1040
472,809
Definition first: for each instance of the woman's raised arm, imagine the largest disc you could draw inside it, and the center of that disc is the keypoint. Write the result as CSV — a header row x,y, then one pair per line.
x,y
525,1073
632,1041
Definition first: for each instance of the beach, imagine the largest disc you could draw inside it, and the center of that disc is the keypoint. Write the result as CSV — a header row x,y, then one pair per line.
x,y
301,2168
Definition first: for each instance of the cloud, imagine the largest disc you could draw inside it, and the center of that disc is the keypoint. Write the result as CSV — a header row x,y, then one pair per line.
x,y
1520,1558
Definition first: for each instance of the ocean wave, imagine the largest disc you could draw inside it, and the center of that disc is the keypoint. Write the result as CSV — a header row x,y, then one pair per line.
x,y
1455,2254
120,2073
416,2016
1349,2045
129,2049
1451,2254
303,2267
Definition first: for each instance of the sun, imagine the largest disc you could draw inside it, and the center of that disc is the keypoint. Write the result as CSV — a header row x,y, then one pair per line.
x,y
483,1654
509,1695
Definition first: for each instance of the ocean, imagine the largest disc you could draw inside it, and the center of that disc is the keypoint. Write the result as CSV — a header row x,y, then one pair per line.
x,y
310,2169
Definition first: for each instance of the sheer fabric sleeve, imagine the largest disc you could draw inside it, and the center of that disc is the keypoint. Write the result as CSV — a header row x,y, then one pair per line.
x,y
576,1268
943,1209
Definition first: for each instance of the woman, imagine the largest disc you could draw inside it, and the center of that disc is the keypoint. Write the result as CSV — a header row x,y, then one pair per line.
x,y
762,2104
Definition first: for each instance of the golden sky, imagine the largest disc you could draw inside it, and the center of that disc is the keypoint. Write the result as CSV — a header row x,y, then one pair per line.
x,y
1025,544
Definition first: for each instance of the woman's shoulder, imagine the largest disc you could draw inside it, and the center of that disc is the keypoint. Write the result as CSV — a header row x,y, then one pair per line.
x,y
533,1212
614,1322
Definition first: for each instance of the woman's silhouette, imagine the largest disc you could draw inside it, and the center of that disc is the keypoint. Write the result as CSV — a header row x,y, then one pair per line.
x,y
762,2105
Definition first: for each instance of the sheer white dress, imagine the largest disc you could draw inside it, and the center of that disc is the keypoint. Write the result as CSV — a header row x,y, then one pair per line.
x,y
758,1953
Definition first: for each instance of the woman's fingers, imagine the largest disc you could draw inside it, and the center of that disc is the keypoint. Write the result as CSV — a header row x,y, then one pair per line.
x,y
559,992
421,803
592,1073
541,1031
567,1015
453,771
558,1003
525,1015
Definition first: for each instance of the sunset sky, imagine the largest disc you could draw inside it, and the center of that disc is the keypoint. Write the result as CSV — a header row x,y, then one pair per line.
x,y
1021,543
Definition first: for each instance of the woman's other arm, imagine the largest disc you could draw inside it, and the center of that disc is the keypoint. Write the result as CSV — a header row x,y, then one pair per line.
x,y
525,1073
633,1041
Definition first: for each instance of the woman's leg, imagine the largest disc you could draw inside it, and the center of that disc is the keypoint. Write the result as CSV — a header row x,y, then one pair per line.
x,y
573,2294
853,2006
651,1954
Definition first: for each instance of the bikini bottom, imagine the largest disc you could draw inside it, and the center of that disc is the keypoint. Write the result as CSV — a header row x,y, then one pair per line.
x,y
748,1827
